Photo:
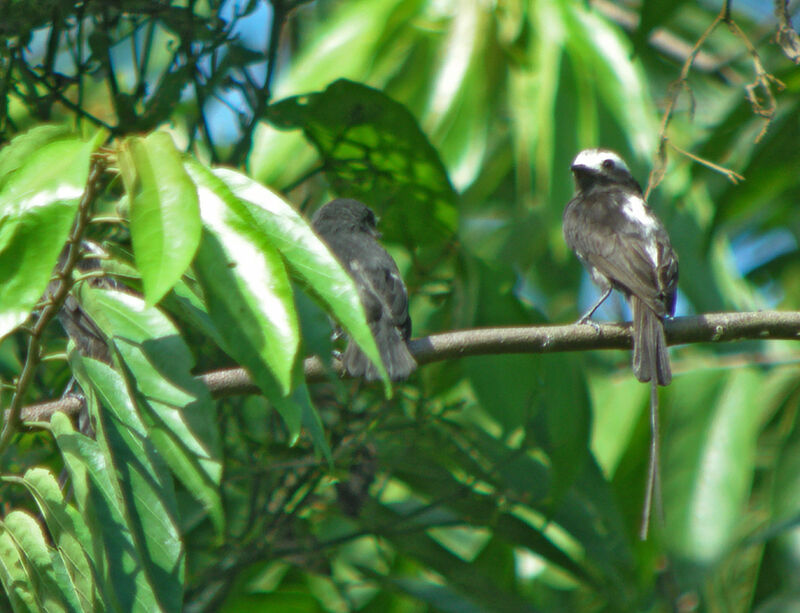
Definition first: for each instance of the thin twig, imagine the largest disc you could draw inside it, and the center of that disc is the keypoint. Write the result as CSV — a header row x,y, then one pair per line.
x,y
675,91
734,177
759,94
50,310
762,83
57,95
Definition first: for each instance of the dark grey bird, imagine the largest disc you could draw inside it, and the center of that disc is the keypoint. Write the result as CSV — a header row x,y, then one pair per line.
x,y
624,246
349,228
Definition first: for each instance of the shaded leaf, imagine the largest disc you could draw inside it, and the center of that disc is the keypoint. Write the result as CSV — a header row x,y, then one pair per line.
x,y
178,409
100,505
374,151
143,484
14,575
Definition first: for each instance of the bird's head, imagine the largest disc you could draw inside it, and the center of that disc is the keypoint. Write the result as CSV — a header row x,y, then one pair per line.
x,y
596,167
346,214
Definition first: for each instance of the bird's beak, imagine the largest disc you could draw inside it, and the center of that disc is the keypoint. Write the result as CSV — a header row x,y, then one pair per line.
x,y
579,168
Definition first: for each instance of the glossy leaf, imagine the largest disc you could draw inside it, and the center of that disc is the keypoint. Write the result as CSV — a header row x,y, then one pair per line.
x,y
43,565
343,45
39,196
710,459
164,214
142,483
306,256
99,498
69,531
248,293
177,408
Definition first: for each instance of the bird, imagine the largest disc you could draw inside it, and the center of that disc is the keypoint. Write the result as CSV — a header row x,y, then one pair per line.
x,y
625,247
349,228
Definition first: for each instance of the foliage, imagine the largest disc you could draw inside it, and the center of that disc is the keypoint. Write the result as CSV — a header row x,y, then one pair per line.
x,y
492,483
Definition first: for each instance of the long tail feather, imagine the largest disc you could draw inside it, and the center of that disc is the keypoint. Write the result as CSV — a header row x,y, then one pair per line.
x,y
653,487
650,363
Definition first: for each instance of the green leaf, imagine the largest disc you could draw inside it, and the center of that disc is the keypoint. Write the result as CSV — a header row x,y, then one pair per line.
x,y
14,574
440,597
180,414
617,407
70,533
563,419
97,495
165,218
42,562
311,420
39,197
247,292
652,15
306,255
142,483
709,461
373,150
620,79
16,153
461,575
343,44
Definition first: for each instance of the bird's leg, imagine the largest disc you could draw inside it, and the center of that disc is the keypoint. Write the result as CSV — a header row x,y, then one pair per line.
x,y
585,318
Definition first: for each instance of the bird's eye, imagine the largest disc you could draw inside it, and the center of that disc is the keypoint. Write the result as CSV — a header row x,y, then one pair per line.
x,y
608,164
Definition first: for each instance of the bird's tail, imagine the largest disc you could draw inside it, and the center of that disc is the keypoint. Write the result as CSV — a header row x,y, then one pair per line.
x,y
650,363
650,355
652,492
396,357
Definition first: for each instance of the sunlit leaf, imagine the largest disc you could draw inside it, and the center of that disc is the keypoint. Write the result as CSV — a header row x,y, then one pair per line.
x,y
165,220
306,256
709,463
43,565
74,541
39,195
248,293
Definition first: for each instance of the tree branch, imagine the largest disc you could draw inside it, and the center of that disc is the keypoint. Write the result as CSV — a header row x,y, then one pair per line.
x,y
708,328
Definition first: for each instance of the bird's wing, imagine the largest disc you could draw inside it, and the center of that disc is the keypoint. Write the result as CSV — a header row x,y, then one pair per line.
x,y
619,250
382,292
